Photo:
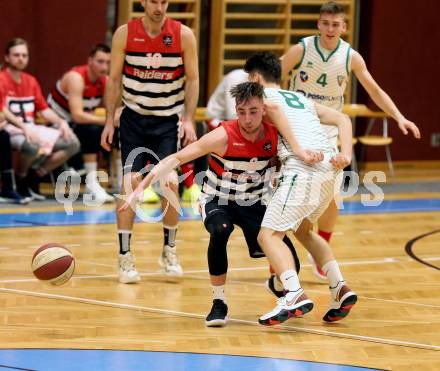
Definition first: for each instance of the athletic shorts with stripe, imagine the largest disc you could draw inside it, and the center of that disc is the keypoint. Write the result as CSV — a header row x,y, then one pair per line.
x,y
146,139
303,192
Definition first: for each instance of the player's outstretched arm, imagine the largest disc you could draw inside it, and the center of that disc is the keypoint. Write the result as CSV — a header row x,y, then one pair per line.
x,y
379,96
215,141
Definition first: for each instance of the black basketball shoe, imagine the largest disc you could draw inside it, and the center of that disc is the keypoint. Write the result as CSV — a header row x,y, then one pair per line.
x,y
218,315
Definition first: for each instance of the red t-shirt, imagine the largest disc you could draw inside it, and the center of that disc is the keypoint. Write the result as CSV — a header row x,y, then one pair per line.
x,y
24,99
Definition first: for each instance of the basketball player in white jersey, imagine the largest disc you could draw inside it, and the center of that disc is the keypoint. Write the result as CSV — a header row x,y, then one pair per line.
x,y
320,67
302,195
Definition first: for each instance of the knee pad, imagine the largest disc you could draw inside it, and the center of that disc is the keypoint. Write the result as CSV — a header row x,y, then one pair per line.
x,y
220,229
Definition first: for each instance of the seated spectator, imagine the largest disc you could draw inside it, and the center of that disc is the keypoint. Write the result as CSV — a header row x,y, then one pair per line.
x,y
75,97
221,105
8,192
42,148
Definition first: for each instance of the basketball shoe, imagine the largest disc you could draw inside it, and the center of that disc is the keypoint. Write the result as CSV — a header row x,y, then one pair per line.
x,y
293,304
169,261
127,269
340,304
217,317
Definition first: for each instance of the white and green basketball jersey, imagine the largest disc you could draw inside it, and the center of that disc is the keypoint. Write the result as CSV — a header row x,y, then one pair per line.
x,y
303,120
322,75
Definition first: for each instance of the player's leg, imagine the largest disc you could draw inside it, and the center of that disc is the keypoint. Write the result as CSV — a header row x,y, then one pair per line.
x,y
326,225
250,219
131,138
29,152
89,136
294,303
165,144
219,224
285,211
8,192
61,152
342,298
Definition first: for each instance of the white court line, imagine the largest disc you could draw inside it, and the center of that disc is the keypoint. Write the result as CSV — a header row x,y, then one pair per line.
x,y
389,260
202,316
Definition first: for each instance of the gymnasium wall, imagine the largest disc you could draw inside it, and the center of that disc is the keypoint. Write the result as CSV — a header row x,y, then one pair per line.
x,y
60,32
399,41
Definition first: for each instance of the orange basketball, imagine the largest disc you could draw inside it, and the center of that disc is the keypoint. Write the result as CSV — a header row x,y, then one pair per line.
x,y
53,263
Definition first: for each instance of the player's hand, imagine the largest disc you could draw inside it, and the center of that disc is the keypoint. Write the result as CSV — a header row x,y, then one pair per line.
x,y
66,131
188,132
310,157
406,125
134,196
340,161
107,136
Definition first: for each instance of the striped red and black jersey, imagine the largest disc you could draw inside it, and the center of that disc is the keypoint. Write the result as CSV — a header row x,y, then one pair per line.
x,y
242,173
153,74
93,94
22,98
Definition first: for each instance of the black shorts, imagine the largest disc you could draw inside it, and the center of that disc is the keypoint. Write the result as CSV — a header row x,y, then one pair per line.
x,y
248,218
89,135
154,138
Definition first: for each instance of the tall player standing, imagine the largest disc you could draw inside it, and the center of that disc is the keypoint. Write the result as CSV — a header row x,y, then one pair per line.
x,y
320,67
158,85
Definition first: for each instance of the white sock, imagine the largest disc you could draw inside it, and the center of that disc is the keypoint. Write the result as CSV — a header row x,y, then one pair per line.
x,y
290,280
91,167
334,275
218,292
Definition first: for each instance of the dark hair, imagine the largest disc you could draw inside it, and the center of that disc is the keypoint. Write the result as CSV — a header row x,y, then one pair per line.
x,y
99,48
247,90
265,63
332,7
14,42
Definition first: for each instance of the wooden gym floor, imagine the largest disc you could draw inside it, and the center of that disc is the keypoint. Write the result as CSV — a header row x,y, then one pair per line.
x,y
394,326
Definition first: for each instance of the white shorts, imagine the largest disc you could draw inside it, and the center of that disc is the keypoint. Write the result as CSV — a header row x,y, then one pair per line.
x,y
304,192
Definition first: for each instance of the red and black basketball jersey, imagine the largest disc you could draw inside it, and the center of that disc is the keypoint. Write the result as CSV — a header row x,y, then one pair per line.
x,y
22,98
92,95
242,172
153,74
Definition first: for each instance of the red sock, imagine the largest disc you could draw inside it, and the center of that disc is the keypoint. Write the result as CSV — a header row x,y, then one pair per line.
x,y
325,235
188,170
271,270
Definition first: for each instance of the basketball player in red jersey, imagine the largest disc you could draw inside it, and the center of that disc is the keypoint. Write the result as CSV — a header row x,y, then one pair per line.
x,y
49,147
75,97
236,184
158,86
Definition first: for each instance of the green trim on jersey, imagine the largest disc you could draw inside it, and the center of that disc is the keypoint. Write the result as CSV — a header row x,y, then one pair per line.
x,y
320,53
290,190
302,57
347,60
292,88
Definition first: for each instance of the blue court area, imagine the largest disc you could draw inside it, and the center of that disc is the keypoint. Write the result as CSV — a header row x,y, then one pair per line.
x,y
53,218
74,360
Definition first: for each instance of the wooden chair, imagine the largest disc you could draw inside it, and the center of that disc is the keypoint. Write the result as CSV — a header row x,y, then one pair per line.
x,y
361,110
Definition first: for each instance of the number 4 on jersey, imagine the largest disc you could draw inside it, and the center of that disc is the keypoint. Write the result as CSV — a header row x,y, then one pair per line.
x,y
322,80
